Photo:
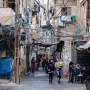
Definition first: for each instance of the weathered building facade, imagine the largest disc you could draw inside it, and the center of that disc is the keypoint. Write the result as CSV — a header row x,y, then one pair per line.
x,y
65,20
7,19
72,23
83,54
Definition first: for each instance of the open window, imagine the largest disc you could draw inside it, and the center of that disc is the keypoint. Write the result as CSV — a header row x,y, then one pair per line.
x,y
11,4
66,11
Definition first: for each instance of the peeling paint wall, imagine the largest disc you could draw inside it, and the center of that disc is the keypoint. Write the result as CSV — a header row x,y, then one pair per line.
x,y
66,55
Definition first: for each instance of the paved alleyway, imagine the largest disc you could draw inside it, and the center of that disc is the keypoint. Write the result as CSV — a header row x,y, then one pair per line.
x,y
40,82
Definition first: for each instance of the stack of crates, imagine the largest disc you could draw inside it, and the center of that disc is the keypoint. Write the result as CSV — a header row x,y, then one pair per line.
x,y
6,68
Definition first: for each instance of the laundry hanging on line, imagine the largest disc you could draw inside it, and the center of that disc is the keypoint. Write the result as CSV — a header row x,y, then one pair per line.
x,y
61,23
65,19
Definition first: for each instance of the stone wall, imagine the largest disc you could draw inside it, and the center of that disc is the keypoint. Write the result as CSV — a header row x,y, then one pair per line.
x,y
70,27
74,52
66,55
64,32
68,3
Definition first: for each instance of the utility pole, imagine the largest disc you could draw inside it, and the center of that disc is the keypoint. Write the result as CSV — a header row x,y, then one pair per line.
x,y
17,45
48,9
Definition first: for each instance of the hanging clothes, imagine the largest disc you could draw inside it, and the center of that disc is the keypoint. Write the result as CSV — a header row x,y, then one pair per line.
x,y
27,14
73,18
68,18
27,11
21,52
61,23
64,18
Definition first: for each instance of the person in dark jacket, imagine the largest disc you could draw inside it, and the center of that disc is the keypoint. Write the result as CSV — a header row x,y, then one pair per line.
x,y
51,70
85,74
33,65
71,71
43,62
75,73
46,66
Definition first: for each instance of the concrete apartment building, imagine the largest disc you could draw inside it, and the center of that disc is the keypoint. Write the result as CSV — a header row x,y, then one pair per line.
x,y
65,20
73,30
28,12
7,18
83,54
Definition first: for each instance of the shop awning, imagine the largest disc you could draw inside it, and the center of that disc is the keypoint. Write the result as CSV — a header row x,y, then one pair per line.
x,y
84,47
7,16
46,45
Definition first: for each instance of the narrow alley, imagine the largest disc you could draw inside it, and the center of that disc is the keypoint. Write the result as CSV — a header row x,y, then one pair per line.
x,y
51,34
40,82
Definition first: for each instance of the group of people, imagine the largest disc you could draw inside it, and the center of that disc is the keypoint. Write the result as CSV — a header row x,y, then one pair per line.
x,y
76,73
54,66
50,66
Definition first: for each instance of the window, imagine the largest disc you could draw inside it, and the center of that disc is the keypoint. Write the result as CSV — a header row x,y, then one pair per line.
x,y
66,11
11,4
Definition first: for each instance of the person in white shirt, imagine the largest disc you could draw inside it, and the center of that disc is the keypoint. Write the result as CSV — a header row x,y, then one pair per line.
x,y
58,70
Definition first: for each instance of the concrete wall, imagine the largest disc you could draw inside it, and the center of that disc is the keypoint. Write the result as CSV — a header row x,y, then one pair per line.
x,y
84,16
22,6
74,53
23,59
66,2
30,3
66,55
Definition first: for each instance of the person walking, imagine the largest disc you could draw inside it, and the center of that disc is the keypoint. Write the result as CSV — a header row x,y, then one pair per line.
x,y
71,77
74,73
46,66
85,74
50,70
33,65
58,70
38,62
78,67
43,62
